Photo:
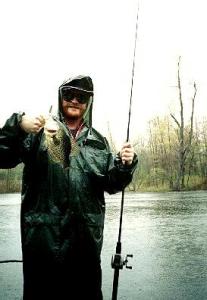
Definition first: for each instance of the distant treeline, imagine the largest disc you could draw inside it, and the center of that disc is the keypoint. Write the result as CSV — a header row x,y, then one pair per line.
x,y
11,179
170,160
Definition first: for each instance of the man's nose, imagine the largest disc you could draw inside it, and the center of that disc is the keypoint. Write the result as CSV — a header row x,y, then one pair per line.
x,y
74,100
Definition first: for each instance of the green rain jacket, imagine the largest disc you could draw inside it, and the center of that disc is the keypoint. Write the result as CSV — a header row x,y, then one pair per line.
x,y
62,200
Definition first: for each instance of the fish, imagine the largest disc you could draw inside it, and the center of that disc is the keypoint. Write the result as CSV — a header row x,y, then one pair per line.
x,y
58,142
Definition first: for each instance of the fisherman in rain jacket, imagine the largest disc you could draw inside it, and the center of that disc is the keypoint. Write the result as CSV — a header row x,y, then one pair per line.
x,y
68,166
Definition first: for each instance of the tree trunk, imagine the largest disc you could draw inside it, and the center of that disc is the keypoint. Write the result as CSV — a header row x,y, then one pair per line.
x,y
184,144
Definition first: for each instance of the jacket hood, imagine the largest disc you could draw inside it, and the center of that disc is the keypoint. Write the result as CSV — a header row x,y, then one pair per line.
x,y
81,83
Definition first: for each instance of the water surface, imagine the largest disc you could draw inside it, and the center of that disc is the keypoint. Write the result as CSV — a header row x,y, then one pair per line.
x,y
165,232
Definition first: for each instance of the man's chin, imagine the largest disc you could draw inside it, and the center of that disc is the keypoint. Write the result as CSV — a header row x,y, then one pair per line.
x,y
73,118
72,113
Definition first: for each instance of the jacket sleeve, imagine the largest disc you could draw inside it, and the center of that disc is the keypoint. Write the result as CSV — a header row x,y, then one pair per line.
x,y
11,136
118,175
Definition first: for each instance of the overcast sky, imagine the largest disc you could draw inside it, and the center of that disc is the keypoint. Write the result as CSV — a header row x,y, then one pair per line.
x,y
45,42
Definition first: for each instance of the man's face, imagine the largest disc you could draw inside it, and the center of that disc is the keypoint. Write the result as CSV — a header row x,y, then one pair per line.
x,y
74,104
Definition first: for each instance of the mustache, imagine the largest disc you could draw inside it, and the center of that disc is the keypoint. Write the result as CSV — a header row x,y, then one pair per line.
x,y
73,106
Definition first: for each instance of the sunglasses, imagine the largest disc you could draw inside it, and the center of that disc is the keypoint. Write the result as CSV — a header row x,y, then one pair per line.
x,y
70,95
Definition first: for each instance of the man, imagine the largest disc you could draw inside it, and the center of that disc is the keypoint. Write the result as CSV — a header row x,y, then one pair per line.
x,y
67,168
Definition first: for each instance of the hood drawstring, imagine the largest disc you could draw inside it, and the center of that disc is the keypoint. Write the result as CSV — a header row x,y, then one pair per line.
x,y
73,136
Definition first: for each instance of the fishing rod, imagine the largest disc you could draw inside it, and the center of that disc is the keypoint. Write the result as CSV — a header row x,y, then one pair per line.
x,y
10,261
117,261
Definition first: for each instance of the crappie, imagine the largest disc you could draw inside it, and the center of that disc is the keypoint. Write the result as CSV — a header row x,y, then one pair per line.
x,y
59,144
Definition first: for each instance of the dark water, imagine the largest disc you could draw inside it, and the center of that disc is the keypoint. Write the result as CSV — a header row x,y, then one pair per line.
x,y
165,232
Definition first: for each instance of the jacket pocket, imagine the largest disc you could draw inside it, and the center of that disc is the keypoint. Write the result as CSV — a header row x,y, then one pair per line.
x,y
95,224
41,235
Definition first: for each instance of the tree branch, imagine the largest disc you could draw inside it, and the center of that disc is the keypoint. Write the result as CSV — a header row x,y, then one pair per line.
x,y
176,121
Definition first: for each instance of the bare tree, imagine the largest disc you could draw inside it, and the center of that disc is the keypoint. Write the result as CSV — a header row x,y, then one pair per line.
x,y
184,140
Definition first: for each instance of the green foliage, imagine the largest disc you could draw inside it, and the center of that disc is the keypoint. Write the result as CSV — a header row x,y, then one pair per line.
x,y
11,179
159,158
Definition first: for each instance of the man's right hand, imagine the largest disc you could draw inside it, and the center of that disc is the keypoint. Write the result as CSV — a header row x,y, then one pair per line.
x,y
32,124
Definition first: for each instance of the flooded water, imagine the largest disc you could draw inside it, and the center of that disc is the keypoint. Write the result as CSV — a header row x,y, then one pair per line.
x,y
165,232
